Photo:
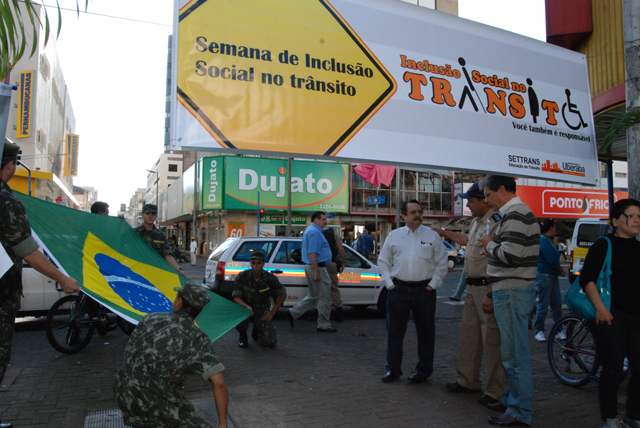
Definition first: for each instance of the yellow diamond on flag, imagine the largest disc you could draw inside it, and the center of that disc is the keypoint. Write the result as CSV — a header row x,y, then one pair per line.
x,y
135,287
278,75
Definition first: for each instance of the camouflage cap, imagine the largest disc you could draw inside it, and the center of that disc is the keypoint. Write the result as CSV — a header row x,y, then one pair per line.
x,y
10,151
149,207
194,294
257,255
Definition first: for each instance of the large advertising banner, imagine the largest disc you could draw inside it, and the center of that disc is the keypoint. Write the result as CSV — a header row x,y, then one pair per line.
x,y
378,80
557,202
314,185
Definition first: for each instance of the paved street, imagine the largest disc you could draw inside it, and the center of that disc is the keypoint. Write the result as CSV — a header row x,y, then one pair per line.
x,y
309,380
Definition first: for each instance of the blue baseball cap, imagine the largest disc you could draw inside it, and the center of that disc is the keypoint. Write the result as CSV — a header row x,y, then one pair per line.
x,y
473,192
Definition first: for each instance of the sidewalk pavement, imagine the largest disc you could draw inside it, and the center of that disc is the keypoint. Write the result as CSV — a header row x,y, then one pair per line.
x,y
310,380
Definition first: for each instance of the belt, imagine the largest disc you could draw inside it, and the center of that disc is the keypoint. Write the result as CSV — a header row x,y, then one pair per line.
x,y
422,283
477,281
323,264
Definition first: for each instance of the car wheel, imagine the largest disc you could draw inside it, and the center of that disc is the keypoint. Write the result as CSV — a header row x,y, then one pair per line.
x,y
382,303
451,263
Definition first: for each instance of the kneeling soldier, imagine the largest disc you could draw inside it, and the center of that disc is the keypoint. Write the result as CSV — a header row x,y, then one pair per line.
x,y
256,289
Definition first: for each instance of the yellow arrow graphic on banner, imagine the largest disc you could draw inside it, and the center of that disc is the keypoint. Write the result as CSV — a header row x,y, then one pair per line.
x,y
277,75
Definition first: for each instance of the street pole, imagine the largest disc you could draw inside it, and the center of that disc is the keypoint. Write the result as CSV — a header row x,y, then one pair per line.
x,y
398,198
631,20
157,190
288,232
195,199
377,231
258,214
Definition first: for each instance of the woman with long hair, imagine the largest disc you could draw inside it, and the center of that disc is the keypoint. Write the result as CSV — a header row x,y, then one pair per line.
x,y
617,330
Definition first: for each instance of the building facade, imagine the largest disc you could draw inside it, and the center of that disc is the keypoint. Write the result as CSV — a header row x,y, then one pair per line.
x,y
41,117
164,172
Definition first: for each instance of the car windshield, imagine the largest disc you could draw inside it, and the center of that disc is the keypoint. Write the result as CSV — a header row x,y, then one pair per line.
x,y
219,251
589,233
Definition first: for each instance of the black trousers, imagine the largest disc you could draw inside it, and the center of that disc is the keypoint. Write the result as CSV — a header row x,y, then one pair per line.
x,y
613,343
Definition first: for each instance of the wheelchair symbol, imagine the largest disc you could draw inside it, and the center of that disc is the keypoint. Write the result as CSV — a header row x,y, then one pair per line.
x,y
572,109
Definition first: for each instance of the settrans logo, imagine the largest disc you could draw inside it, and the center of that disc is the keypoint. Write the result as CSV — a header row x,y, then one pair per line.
x,y
560,202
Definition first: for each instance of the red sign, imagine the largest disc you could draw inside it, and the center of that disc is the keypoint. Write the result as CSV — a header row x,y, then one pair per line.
x,y
567,203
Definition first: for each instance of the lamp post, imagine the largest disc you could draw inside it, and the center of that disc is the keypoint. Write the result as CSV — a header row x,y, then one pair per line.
x,y
157,186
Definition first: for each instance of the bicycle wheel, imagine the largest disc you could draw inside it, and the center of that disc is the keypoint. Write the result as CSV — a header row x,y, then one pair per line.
x,y
69,324
572,351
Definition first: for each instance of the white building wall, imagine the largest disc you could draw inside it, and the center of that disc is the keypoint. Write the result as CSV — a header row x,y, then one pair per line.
x,y
52,112
169,168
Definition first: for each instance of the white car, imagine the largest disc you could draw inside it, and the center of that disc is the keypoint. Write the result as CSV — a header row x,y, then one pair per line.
x,y
39,293
359,283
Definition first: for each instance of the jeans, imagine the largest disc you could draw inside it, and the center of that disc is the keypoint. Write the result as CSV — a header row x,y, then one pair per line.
x,y
401,302
548,291
512,308
613,343
461,286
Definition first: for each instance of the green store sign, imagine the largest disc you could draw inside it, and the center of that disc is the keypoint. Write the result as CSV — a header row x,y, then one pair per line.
x,y
212,179
282,219
233,183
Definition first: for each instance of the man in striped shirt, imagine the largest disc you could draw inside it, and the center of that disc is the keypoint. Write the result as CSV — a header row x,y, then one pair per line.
x,y
513,259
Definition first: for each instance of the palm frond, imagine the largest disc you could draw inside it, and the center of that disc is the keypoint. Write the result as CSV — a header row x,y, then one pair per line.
x,y
19,28
615,124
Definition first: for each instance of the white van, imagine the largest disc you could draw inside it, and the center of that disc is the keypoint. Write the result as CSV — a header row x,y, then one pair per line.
x,y
586,232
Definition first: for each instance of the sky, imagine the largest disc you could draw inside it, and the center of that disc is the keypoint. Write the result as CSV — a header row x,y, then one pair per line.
x,y
116,69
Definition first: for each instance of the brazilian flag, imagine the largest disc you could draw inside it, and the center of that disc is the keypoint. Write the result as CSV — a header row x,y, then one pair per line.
x,y
116,267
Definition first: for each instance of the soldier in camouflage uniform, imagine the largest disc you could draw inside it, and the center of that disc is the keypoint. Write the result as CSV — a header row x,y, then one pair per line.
x,y
162,350
256,289
154,237
16,239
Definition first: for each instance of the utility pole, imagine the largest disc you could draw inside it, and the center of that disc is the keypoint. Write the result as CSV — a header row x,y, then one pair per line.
x,y
631,18
288,228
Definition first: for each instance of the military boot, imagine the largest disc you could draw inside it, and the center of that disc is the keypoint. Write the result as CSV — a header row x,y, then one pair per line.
x,y
243,342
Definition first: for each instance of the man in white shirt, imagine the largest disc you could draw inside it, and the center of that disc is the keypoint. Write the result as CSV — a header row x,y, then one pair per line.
x,y
193,250
413,263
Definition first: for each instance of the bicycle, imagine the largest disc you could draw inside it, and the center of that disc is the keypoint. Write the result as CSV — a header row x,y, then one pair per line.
x,y
73,319
571,350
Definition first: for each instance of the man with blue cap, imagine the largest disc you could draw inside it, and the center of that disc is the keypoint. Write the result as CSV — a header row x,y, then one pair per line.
x,y
479,334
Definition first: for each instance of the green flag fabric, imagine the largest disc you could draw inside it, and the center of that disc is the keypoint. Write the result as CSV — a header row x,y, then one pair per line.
x,y
116,267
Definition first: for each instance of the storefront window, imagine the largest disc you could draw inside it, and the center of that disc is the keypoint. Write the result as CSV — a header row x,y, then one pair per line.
x,y
433,191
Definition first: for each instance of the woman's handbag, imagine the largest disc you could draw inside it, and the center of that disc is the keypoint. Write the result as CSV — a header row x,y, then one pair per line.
x,y
577,300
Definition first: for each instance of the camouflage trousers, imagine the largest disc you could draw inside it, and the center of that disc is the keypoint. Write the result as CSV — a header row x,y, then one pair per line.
x,y
8,313
150,406
265,330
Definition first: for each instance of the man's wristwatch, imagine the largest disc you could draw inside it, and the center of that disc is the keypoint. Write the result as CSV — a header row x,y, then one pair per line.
x,y
490,294
180,269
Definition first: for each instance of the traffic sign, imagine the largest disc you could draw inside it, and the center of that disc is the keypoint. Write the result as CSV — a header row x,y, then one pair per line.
x,y
376,200
261,75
